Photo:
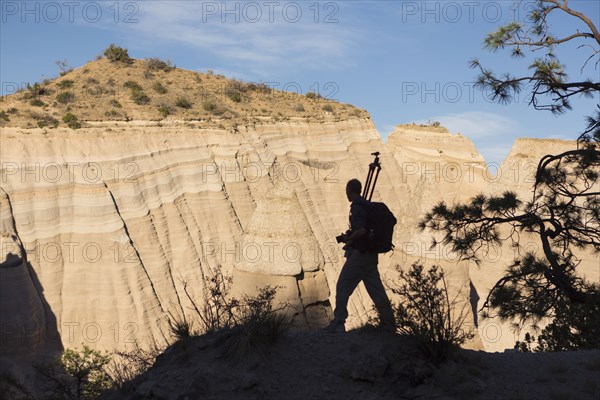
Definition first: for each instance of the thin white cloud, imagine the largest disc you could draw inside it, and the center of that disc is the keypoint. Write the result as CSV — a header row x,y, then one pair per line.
x,y
477,124
270,43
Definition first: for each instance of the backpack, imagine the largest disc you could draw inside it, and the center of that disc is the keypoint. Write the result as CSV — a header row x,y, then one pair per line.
x,y
380,227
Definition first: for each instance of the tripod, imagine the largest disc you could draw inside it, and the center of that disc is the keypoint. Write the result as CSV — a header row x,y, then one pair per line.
x,y
370,182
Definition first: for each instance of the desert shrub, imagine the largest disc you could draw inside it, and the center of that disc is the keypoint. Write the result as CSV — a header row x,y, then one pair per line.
x,y
137,93
355,112
243,326
75,375
164,110
426,311
328,108
217,309
71,121
139,97
133,85
233,94
181,327
182,102
63,65
299,108
111,82
430,123
258,87
112,114
44,120
92,81
313,95
574,326
4,116
159,88
234,91
117,54
125,366
35,90
158,64
37,103
213,107
258,326
66,84
65,97
12,110
115,103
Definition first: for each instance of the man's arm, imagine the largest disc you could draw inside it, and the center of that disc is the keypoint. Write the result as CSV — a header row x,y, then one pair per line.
x,y
360,218
355,235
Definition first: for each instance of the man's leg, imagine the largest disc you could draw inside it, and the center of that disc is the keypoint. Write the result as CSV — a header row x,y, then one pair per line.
x,y
376,291
351,275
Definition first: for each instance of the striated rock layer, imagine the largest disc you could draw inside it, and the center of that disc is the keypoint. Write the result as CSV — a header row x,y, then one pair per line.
x,y
118,221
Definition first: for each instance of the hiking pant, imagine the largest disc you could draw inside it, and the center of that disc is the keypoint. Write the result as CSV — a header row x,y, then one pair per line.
x,y
362,267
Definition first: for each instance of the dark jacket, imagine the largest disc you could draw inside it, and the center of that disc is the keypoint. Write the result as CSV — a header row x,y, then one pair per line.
x,y
359,218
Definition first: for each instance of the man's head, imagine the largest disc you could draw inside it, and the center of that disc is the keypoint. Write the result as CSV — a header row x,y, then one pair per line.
x,y
353,189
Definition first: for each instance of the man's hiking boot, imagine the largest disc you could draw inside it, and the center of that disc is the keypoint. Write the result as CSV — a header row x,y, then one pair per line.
x,y
335,327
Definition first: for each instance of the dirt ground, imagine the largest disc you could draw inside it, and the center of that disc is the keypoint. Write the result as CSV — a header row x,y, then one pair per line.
x,y
363,364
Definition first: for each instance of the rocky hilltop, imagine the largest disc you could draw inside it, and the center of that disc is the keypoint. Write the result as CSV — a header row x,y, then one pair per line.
x,y
123,185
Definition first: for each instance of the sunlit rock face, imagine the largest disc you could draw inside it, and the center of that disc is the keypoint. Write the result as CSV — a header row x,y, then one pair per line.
x,y
121,226
279,218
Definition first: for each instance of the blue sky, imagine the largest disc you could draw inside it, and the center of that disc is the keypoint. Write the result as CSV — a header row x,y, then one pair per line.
x,y
403,61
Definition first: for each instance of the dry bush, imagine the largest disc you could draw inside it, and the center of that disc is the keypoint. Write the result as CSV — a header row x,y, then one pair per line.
x,y
37,103
125,366
182,102
164,110
65,97
426,312
156,64
71,120
244,326
117,54
235,90
44,120
258,326
159,88
299,108
66,84
213,107
259,87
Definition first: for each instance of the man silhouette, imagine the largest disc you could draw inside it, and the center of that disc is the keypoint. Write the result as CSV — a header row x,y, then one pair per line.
x,y
360,265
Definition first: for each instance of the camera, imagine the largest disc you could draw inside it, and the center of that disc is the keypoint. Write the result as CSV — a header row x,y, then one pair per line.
x,y
343,237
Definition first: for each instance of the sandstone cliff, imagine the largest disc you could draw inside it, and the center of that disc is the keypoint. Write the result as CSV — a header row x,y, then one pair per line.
x,y
104,225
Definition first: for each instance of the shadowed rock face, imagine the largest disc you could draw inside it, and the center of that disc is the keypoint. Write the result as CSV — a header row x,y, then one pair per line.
x,y
113,222
28,327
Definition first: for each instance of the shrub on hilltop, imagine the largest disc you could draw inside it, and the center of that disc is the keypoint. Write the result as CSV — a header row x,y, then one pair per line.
x,y
156,64
116,54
